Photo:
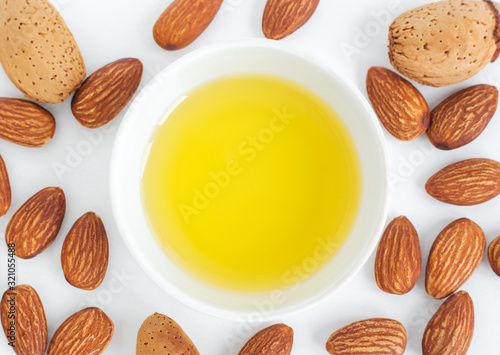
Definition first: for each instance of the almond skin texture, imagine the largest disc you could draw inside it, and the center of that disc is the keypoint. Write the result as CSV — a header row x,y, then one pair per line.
x,y
184,21
284,17
36,224
466,183
399,259
105,93
30,328
462,117
39,53
454,256
26,123
274,340
494,255
5,190
446,42
400,107
85,253
450,330
88,331
160,334
370,336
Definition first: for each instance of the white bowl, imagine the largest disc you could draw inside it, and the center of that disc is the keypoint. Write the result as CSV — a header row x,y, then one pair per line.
x,y
207,64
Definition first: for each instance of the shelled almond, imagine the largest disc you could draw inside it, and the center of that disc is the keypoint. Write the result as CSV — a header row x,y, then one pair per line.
x,y
399,261
454,256
494,255
400,107
274,340
284,17
36,224
5,190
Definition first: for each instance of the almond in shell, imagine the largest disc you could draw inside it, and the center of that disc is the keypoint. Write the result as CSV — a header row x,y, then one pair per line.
x,y
184,21
106,92
26,123
36,224
370,336
284,17
462,117
445,42
85,253
5,190
450,330
399,260
454,256
400,107
160,334
24,321
466,183
274,340
39,53
88,331
494,255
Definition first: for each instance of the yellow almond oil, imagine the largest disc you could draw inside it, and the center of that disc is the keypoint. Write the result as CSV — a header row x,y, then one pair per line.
x,y
252,183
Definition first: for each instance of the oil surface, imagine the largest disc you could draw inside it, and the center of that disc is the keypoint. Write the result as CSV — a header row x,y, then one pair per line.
x,y
252,183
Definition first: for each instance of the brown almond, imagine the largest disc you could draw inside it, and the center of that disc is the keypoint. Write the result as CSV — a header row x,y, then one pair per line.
x,y
88,331
85,253
466,183
450,330
106,92
184,21
494,255
400,107
370,336
26,123
284,17
160,334
399,260
36,224
462,117
23,320
5,190
454,256
274,340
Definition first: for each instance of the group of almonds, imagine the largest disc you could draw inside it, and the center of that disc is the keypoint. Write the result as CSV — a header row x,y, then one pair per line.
x,y
41,57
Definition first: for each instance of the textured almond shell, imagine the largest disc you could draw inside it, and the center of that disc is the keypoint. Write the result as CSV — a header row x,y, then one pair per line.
x,y
466,183
494,255
85,253
36,224
446,42
400,107
462,117
184,21
450,330
399,260
454,256
30,321
274,340
39,53
284,17
370,336
5,190
106,92
25,123
160,334
88,331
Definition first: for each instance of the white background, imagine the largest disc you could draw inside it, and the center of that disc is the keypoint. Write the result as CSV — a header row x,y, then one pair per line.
x,y
349,36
